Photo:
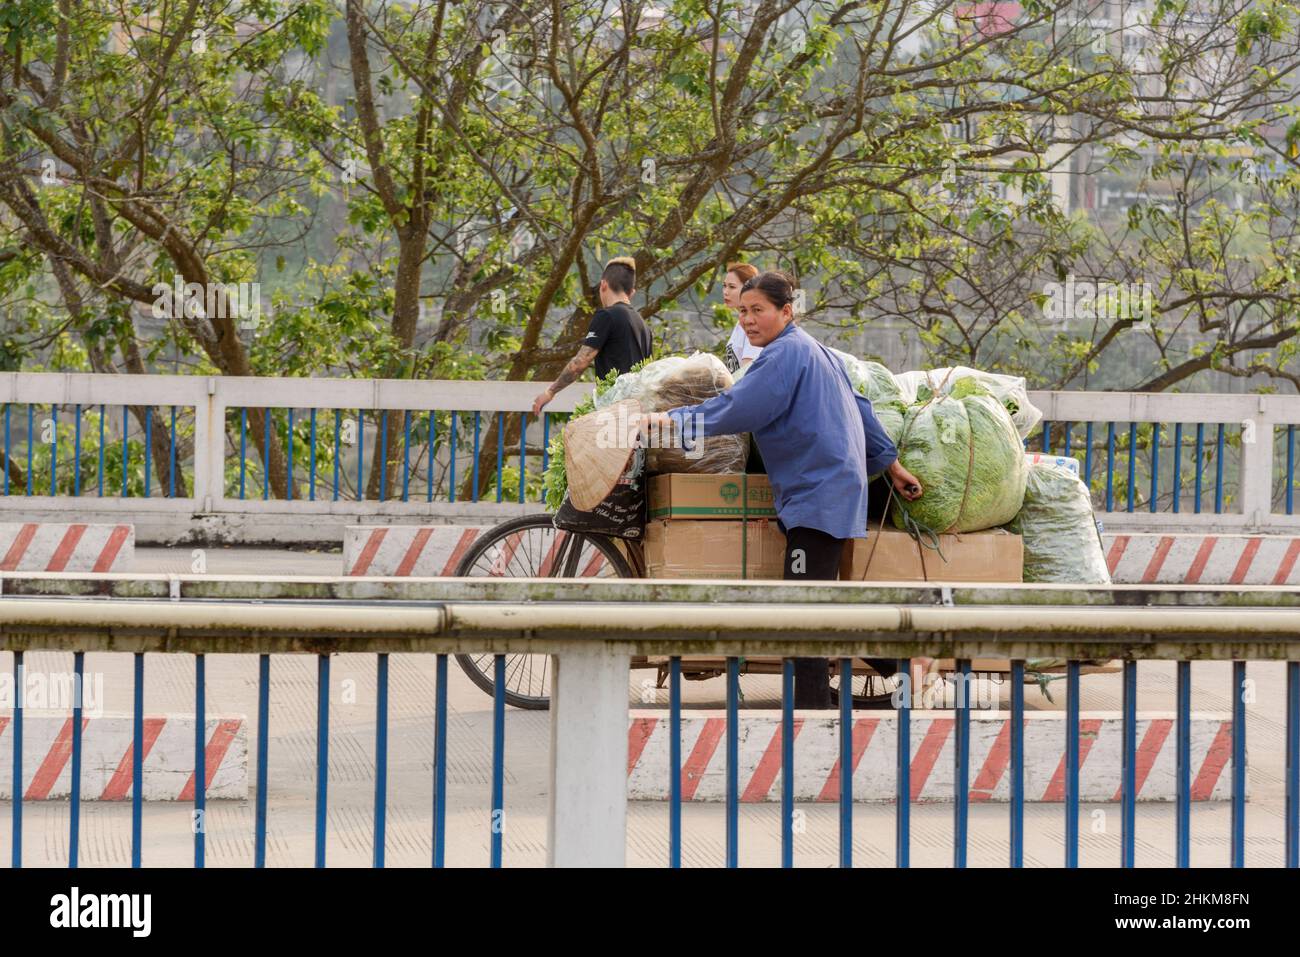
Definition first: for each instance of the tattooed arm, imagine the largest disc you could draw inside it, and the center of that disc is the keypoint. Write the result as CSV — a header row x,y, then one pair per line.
x,y
576,367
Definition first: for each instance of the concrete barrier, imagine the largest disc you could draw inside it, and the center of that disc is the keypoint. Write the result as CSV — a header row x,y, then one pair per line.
x,y
107,752
55,547
1133,559
1203,559
418,551
875,742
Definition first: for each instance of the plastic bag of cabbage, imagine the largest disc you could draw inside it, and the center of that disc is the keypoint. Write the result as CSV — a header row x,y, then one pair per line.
x,y
969,458
555,480
1008,389
877,383
1058,529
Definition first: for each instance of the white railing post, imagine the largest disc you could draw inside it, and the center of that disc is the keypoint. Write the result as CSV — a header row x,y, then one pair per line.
x,y
209,447
587,820
1257,467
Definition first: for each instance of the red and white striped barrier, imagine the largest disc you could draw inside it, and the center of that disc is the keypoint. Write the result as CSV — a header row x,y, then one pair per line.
x,y
432,551
1203,559
107,753
55,547
1134,559
420,551
875,741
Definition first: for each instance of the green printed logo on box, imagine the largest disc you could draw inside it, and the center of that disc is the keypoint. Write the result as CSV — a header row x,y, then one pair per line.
x,y
729,492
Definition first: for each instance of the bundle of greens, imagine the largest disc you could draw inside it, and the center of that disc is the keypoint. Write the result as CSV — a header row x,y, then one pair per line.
x,y
965,450
1058,529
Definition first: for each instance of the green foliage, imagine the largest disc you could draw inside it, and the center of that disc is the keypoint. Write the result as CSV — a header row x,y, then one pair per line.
x,y
24,21
925,192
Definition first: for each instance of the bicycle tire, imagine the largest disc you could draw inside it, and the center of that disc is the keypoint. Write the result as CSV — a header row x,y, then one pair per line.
x,y
565,555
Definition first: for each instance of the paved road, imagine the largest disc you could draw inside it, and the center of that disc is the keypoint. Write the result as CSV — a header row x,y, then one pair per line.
x,y
232,689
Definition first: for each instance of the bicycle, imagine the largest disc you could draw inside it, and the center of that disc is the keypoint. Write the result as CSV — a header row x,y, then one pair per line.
x,y
532,547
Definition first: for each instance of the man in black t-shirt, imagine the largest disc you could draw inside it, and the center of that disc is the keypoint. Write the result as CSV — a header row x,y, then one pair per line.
x,y
617,338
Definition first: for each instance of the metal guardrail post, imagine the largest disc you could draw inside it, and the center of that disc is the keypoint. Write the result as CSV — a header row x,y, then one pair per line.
x,y
587,819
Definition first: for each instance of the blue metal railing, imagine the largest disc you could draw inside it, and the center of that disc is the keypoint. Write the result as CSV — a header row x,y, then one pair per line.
x,y
1145,457
961,777
43,445
202,772
50,448
200,758
420,459
961,754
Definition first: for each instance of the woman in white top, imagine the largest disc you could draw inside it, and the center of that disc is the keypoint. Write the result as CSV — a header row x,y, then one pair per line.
x,y
740,352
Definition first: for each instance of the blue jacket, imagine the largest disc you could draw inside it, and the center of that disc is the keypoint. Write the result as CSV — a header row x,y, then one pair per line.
x,y
818,437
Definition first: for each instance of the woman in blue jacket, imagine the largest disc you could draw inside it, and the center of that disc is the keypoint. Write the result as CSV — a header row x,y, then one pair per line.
x,y
819,439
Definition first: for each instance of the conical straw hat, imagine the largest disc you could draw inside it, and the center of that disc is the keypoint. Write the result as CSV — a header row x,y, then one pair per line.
x,y
597,448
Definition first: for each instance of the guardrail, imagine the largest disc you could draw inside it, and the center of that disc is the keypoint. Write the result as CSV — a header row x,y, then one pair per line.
x,y
185,456
1179,462
592,629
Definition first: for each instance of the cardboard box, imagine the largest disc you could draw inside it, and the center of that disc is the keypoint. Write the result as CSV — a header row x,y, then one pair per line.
x,y
683,548
685,496
890,555
885,555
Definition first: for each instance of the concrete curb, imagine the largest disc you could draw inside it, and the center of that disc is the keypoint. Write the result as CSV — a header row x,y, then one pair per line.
x,y
1203,559
418,551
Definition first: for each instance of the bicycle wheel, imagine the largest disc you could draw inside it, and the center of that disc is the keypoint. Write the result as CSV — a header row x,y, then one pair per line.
x,y
532,547
869,691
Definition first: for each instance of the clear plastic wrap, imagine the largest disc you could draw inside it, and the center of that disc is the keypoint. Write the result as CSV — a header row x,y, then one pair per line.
x,y
969,459
1010,390
677,381
1060,534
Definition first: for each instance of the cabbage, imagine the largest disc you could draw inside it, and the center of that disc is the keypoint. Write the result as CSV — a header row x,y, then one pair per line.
x,y
969,459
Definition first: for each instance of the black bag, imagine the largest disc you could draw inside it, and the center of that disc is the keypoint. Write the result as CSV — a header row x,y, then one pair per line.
x,y
621,514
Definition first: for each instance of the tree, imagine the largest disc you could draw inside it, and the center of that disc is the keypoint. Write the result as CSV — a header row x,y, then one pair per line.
x,y
135,156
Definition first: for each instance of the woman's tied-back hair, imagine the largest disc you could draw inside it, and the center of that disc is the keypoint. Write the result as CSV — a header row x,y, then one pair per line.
x,y
620,273
776,287
743,271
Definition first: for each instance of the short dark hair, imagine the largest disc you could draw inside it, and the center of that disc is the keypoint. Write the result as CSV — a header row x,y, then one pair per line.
x,y
620,273
776,287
